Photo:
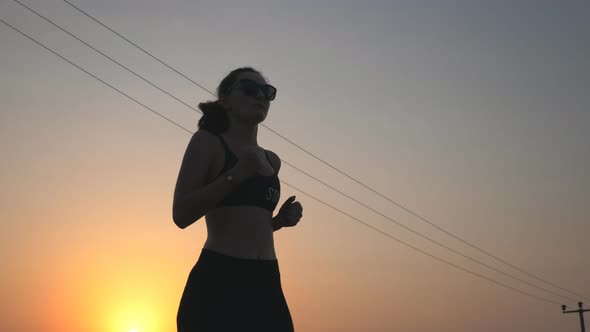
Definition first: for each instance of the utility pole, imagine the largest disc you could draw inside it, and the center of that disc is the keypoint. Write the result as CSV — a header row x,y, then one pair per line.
x,y
581,311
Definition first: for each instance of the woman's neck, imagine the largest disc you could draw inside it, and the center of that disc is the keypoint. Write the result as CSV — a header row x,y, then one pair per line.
x,y
242,135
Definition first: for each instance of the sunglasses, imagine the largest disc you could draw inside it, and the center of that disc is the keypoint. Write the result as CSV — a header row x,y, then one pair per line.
x,y
251,88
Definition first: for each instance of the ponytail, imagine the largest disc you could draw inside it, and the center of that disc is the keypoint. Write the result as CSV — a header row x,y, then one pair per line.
x,y
215,118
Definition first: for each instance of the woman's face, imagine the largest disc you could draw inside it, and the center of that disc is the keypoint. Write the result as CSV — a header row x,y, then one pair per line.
x,y
250,109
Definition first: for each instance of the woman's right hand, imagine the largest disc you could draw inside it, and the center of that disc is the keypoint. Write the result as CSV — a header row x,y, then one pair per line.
x,y
253,161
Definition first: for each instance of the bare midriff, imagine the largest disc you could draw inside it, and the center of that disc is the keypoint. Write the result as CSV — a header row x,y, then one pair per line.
x,y
241,232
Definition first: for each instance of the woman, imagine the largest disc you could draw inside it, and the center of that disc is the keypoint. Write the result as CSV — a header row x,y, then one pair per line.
x,y
226,177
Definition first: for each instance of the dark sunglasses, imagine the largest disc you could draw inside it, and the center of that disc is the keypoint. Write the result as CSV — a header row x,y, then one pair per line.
x,y
251,88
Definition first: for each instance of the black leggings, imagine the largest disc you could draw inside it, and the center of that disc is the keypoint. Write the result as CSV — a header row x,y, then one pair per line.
x,y
225,293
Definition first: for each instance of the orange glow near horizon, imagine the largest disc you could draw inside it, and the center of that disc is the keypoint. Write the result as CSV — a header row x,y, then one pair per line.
x,y
111,293
467,124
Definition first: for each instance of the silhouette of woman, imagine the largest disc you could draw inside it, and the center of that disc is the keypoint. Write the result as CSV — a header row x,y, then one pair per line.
x,y
225,176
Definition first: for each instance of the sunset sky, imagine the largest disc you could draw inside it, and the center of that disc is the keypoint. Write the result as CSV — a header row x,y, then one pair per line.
x,y
472,114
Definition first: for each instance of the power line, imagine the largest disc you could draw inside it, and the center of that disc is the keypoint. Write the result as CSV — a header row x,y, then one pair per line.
x,y
386,234
398,223
137,46
97,78
338,170
422,251
101,53
438,243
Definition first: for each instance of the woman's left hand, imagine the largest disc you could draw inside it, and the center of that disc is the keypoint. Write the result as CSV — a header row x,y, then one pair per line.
x,y
290,213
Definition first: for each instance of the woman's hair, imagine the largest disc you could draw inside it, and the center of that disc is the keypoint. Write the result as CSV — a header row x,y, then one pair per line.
x,y
215,118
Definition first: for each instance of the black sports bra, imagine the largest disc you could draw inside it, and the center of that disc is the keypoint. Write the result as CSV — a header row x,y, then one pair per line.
x,y
258,190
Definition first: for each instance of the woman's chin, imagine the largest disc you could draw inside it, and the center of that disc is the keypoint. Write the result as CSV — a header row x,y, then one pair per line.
x,y
260,114
257,119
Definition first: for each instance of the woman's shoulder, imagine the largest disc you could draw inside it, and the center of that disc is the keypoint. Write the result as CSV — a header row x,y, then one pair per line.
x,y
210,138
211,141
206,134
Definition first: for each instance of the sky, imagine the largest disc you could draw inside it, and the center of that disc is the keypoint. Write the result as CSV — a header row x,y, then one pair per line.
x,y
471,114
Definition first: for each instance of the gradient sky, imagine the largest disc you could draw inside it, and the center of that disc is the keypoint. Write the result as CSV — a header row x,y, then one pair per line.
x,y
472,114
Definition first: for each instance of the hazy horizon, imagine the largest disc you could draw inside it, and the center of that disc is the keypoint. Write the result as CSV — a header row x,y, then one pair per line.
x,y
473,115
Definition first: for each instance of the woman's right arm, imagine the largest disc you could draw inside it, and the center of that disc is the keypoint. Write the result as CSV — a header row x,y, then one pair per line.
x,y
193,197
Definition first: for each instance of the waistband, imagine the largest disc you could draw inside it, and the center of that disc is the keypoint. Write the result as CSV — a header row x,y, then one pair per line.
x,y
210,256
